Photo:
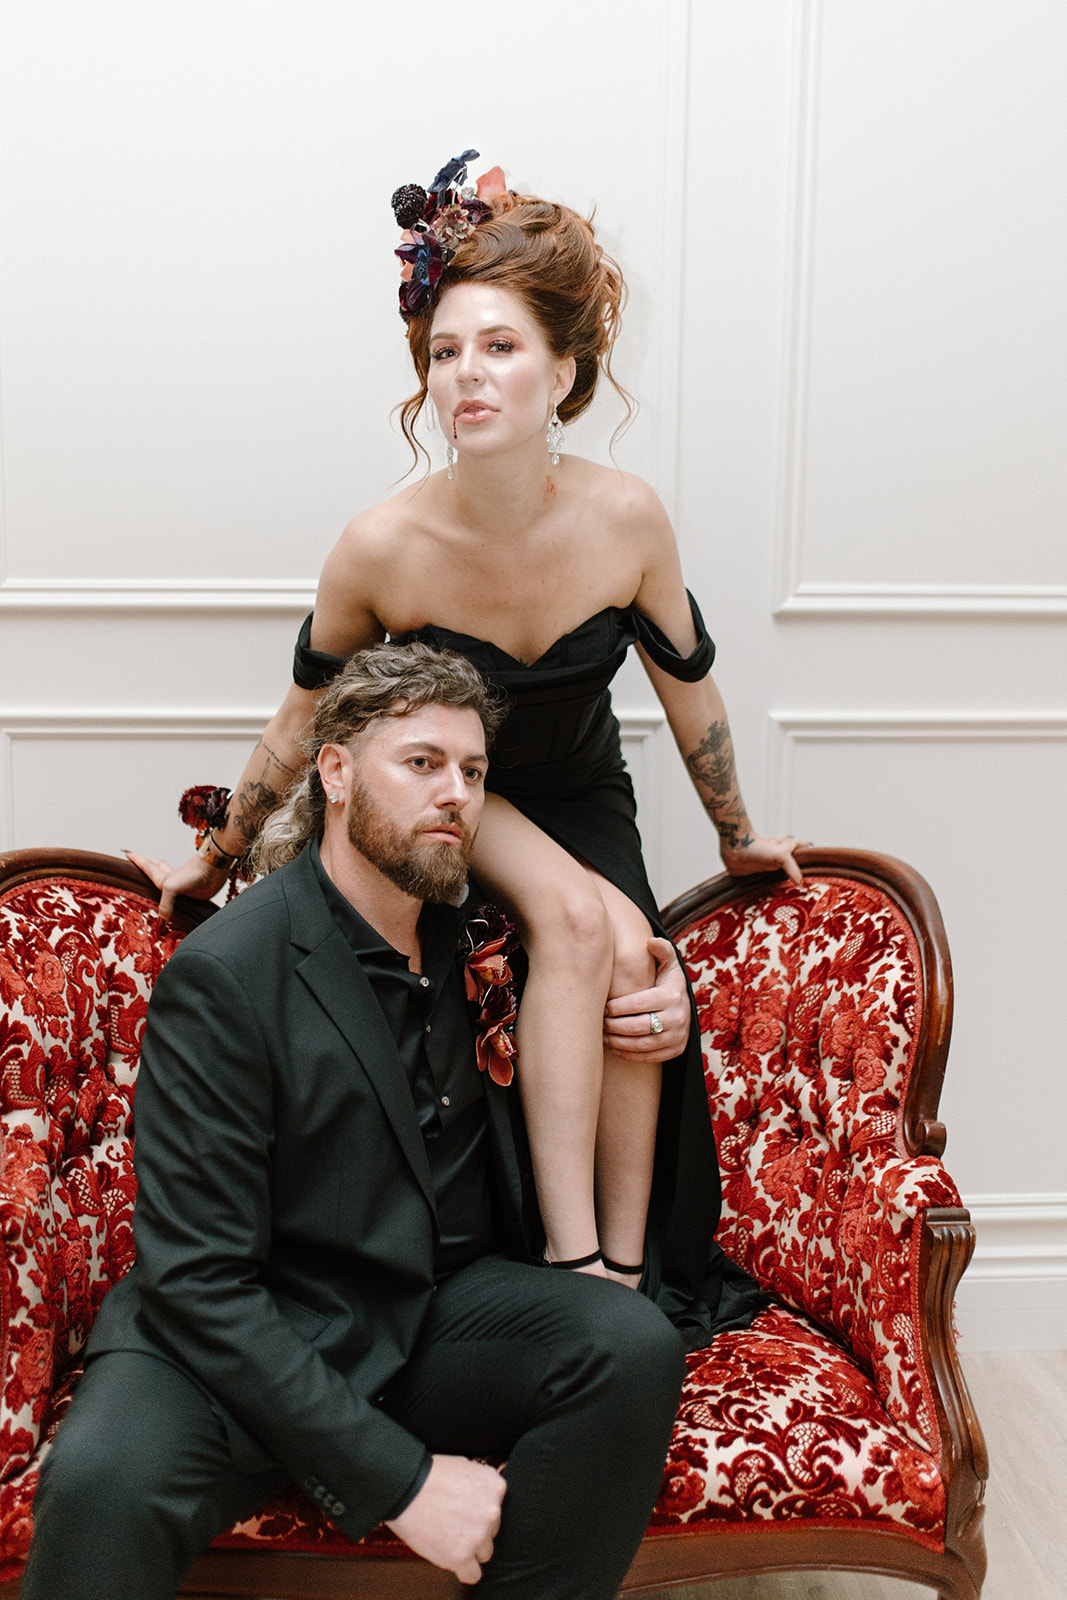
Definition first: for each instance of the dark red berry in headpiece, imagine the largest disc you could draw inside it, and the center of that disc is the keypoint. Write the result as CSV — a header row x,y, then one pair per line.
x,y
409,204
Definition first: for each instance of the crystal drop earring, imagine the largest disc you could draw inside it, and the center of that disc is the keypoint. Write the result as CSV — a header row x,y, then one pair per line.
x,y
554,437
450,458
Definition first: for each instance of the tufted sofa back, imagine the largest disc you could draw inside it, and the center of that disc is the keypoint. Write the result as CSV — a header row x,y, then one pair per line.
x,y
822,1050
77,963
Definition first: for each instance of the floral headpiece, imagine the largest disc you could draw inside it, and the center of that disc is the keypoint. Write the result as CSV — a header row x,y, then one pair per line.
x,y
436,222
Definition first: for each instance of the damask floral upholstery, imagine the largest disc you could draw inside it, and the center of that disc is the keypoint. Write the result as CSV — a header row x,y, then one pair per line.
x,y
826,1418
77,964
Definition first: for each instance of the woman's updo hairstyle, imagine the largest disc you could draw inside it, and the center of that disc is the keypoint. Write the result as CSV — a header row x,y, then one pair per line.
x,y
547,255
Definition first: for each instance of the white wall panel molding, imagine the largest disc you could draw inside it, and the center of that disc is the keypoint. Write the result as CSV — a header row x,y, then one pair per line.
x,y
23,726
640,725
917,599
796,329
670,304
789,729
172,594
792,594
26,726
643,746
129,722
1019,1235
1014,1293
126,722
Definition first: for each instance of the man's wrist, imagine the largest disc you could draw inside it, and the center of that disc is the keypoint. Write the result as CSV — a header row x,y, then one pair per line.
x,y
412,1490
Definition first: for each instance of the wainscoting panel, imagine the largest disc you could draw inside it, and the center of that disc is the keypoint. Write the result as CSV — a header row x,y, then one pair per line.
x,y
922,256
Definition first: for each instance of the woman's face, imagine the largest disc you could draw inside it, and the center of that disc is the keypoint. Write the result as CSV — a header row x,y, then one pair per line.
x,y
492,376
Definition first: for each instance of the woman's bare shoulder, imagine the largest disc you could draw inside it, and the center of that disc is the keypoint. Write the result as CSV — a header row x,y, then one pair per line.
x,y
361,571
625,503
622,492
376,530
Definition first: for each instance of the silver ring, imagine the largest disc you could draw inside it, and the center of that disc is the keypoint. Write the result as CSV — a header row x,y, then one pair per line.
x,y
654,1023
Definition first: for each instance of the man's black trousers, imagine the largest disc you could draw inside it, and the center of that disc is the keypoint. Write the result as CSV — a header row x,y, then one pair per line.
x,y
573,1380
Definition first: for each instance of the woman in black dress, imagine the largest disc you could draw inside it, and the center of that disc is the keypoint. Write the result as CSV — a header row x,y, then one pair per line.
x,y
544,569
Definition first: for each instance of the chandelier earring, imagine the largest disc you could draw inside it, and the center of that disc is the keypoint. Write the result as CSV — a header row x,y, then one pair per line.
x,y
554,437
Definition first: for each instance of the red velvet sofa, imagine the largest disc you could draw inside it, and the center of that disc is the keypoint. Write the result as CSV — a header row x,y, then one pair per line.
x,y
837,1432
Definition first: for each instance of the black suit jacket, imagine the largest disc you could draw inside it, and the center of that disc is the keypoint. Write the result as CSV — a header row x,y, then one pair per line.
x,y
285,1223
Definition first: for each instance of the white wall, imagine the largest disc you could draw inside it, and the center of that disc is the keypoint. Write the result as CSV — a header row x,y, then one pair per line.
x,y
842,226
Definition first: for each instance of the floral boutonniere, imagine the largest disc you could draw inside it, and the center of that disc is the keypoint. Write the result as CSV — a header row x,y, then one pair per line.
x,y
491,939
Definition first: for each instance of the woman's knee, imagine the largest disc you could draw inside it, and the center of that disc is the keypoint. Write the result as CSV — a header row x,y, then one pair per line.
x,y
569,921
632,967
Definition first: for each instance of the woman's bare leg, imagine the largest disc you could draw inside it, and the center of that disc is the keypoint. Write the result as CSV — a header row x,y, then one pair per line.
x,y
629,1103
561,917
590,1115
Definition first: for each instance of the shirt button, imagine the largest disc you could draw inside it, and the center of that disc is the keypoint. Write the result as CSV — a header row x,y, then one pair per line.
x,y
445,1101
425,982
428,1028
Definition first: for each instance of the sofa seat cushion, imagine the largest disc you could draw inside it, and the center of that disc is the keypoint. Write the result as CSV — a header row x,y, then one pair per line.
x,y
776,1422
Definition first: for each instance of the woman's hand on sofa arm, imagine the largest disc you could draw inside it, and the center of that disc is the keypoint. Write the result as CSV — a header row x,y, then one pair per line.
x,y
194,878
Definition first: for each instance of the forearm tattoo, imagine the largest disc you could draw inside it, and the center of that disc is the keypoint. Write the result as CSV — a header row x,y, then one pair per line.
x,y
275,762
711,766
258,797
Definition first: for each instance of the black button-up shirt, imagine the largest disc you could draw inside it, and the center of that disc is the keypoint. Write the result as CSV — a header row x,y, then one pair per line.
x,y
430,1019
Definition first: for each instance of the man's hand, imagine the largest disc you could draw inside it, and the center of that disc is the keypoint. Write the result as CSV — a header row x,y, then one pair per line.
x,y
627,1028
454,1518
195,878
753,854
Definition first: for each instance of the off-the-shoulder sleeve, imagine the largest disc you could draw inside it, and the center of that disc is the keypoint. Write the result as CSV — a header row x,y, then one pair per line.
x,y
313,669
661,652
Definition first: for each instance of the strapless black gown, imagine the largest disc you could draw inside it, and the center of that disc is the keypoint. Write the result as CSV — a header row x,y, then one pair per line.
x,y
558,759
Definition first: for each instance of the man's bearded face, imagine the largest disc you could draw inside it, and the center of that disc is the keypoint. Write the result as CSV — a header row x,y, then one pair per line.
x,y
428,869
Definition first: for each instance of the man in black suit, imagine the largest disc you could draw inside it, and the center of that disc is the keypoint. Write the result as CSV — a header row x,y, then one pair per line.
x,y
334,1282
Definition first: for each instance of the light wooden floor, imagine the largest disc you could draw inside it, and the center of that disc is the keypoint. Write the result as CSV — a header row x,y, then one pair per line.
x,y
1021,1400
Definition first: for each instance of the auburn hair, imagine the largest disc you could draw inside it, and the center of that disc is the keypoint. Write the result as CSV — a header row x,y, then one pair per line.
x,y
548,255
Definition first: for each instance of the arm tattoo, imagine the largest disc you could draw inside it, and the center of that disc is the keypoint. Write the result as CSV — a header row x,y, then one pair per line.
x,y
251,806
711,764
258,797
276,761
711,767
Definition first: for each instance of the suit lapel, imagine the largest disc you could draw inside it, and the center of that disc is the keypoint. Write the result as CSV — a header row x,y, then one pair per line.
x,y
340,986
